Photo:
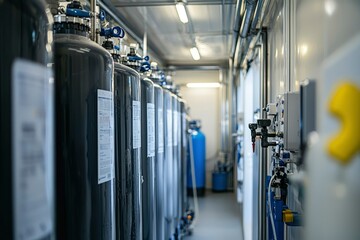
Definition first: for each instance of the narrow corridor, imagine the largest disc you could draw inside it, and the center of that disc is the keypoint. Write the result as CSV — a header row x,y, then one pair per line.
x,y
219,218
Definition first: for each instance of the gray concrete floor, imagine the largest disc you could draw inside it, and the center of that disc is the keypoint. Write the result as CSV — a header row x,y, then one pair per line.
x,y
220,218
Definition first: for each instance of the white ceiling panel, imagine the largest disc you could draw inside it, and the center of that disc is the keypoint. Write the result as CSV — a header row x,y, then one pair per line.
x,y
208,29
206,18
212,47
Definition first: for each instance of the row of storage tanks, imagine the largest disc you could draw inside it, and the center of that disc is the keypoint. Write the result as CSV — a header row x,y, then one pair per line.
x,y
90,148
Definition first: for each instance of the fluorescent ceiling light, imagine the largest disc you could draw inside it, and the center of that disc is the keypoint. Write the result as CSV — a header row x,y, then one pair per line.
x,y
330,7
180,8
203,85
195,53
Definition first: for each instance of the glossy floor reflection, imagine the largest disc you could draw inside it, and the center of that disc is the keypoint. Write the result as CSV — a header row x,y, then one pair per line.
x,y
219,218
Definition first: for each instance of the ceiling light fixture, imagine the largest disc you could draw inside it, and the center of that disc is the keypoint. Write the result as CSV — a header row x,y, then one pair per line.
x,y
180,8
203,85
195,53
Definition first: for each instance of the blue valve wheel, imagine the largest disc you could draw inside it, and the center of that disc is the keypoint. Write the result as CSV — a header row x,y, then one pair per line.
x,y
145,66
118,32
78,13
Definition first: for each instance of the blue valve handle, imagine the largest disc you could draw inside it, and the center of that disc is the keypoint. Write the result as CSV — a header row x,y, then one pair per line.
x,y
118,32
145,66
78,13
163,77
117,48
134,58
112,32
102,15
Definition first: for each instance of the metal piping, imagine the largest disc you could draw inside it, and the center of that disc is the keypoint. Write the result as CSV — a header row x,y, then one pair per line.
x,y
248,18
145,37
263,11
93,19
236,55
262,17
113,13
237,24
223,16
118,20
243,45
251,46
145,47
191,27
256,17
147,3
263,155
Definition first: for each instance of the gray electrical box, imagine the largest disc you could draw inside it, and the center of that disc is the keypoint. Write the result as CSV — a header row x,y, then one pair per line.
x,y
308,109
292,121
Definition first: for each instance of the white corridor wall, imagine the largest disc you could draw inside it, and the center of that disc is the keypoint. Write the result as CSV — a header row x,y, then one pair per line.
x,y
204,104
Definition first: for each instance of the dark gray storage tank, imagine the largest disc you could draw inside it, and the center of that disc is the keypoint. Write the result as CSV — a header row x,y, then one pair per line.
x,y
85,132
148,159
159,161
26,121
127,96
168,165
128,152
148,137
183,159
157,78
176,162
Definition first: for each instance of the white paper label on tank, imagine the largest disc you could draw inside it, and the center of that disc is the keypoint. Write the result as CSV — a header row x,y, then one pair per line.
x,y
32,150
184,129
169,130
176,128
160,130
105,136
150,130
136,124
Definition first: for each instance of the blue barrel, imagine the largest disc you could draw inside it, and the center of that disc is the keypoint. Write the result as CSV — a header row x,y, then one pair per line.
x,y
219,181
199,157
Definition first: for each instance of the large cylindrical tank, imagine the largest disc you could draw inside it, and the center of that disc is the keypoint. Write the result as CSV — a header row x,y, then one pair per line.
x,y
127,152
26,121
85,133
199,158
159,161
148,159
168,164
183,158
176,161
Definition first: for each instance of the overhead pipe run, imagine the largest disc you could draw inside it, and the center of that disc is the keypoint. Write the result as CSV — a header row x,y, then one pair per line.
x,y
255,12
155,3
237,24
93,19
114,16
223,16
107,6
262,9
248,18
256,17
